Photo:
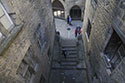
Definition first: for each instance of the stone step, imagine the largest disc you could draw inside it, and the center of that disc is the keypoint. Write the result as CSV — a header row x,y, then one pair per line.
x,y
69,60
69,46
69,68
70,52
57,65
69,56
68,63
68,43
70,49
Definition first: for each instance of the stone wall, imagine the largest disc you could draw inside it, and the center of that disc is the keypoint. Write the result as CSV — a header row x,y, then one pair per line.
x,y
71,3
26,60
103,16
68,4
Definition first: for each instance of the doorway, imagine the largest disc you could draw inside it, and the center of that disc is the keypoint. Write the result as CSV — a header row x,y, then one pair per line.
x,y
75,13
58,9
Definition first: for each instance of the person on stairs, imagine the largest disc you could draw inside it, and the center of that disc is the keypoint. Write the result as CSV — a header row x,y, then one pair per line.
x,y
64,52
79,30
76,32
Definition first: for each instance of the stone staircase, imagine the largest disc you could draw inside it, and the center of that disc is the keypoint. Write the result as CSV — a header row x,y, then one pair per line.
x,y
72,59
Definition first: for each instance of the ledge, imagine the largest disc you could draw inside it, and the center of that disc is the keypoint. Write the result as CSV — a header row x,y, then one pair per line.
x,y
7,41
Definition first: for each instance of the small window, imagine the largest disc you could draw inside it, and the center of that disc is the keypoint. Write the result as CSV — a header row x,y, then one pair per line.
x,y
88,30
114,51
1,37
5,19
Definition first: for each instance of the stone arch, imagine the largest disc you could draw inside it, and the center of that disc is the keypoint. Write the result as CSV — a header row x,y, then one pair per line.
x,y
76,13
58,9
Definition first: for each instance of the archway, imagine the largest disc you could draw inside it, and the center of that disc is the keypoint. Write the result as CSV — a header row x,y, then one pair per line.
x,y
58,9
75,12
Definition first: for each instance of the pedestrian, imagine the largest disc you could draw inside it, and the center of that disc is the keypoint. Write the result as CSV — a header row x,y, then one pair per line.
x,y
78,29
64,53
76,32
70,20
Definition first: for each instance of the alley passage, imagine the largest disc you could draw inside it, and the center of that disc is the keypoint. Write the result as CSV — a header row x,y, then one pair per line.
x,y
71,69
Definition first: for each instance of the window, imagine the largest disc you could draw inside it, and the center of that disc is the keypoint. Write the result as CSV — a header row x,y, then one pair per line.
x,y
58,9
1,37
88,30
7,31
5,19
6,24
26,68
122,4
114,51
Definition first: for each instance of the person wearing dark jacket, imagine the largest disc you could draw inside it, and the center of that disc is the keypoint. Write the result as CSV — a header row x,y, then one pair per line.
x,y
64,53
68,19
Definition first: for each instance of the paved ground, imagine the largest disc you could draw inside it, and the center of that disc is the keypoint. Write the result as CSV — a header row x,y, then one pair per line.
x,y
73,68
62,26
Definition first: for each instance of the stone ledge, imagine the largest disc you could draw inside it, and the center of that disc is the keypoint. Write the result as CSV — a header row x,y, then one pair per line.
x,y
6,43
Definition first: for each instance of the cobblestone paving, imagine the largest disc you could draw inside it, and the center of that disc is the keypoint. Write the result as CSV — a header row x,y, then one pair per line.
x,y
73,68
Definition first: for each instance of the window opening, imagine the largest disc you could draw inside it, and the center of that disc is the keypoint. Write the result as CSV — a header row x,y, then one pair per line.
x,y
114,51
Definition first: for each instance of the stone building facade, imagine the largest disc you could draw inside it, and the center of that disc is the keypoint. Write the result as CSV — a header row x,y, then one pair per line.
x,y
27,34
70,7
104,40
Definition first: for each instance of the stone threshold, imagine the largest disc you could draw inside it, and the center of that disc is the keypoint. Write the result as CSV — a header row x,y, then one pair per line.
x,y
7,41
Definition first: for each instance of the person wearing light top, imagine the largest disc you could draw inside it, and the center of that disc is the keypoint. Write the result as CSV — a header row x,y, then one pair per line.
x,y
70,20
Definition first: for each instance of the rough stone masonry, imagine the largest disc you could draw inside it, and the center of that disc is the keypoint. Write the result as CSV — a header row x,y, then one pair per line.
x,y
24,59
104,37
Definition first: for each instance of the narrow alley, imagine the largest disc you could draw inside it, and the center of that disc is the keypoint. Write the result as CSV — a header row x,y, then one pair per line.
x,y
62,41
71,69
